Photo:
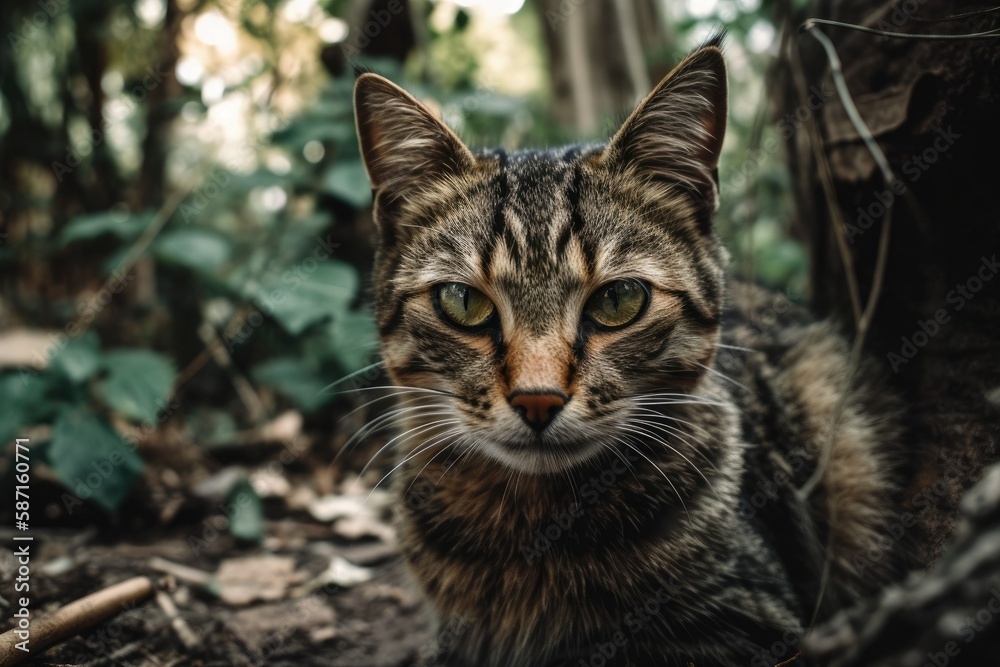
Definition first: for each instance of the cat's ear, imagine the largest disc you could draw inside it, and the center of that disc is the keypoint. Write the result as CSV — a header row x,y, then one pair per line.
x,y
675,134
403,144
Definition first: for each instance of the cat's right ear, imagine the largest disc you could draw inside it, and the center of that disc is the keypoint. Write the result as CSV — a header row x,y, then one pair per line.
x,y
404,146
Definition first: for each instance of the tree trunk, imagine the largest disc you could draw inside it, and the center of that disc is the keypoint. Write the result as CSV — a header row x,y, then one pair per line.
x,y
931,106
597,55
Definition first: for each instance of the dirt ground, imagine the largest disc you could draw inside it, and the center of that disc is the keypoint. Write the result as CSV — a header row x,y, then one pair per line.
x,y
324,586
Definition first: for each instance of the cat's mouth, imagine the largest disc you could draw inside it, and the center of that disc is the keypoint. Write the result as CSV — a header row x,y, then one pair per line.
x,y
540,453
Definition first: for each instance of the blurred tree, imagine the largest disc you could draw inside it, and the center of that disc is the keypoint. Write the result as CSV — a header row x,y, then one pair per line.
x,y
597,55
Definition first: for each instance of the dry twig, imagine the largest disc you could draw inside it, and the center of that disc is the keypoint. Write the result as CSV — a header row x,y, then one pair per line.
x,y
75,617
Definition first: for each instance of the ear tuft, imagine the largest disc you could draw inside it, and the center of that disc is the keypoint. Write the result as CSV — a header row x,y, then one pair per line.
x,y
676,133
402,143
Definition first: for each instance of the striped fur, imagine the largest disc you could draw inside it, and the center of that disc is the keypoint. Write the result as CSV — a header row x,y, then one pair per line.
x,y
631,518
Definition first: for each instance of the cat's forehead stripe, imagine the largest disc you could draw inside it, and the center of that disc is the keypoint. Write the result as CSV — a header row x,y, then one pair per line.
x,y
536,211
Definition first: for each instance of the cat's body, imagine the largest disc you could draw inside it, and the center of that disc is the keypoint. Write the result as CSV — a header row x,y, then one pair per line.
x,y
579,480
606,562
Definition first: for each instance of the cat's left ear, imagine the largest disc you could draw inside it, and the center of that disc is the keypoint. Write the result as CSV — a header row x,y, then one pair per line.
x,y
403,144
675,134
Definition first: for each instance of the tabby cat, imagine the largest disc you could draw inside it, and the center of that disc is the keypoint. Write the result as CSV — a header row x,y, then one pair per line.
x,y
606,464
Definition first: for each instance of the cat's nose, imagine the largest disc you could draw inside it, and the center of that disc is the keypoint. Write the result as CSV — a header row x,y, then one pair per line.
x,y
537,408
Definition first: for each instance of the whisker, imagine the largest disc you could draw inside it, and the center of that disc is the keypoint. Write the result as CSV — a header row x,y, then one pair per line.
x,y
672,418
663,442
721,375
676,492
390,418
354,374
628,464
382,398
736,347
657,392
440,392
407,434
405,460
667,428
653,401
429,461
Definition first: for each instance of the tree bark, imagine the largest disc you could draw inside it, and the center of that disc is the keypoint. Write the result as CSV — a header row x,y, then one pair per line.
x,y
597,58
931,107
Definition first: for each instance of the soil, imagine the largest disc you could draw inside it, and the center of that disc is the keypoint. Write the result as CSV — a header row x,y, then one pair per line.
x,y
241,603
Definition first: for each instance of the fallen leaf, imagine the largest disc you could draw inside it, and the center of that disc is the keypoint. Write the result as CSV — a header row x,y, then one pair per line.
x,y
245,580
361,526
333,507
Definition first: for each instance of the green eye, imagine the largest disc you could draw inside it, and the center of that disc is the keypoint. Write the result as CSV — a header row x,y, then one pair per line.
x,y
617,303
464,305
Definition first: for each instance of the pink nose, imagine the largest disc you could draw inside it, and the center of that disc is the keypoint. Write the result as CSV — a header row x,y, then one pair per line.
x,y
537,410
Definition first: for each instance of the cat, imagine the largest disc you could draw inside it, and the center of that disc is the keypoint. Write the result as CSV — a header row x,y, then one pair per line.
x,y
608,462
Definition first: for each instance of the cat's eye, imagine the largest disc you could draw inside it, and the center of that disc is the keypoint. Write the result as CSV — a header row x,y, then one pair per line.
x,y
617,303
464,305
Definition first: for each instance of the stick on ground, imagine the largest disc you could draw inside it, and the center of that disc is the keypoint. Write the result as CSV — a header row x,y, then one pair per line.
x,y
74,618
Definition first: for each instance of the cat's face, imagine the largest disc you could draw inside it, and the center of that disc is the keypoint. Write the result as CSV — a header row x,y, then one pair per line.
x,y
549,296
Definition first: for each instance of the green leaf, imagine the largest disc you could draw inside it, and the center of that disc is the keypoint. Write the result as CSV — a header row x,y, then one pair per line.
x,y
197,249
122,225
212,427
79,360
352,339
299,297
138,383
295,379
24,401
246,520
91,460
349,181
318,128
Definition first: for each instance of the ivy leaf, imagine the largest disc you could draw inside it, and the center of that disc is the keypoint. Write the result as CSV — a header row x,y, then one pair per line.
x,y
91,460
296,379
79,359
120,224
349,181
24,400
138,383
196,249
246,520
300,297
352,340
